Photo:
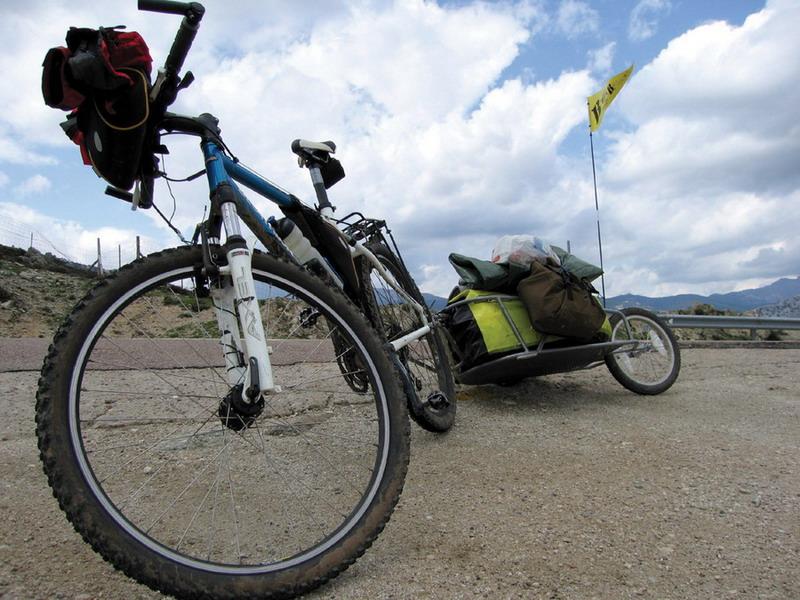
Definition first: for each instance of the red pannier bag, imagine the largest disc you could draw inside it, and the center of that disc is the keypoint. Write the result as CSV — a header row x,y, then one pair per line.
x,y
103,77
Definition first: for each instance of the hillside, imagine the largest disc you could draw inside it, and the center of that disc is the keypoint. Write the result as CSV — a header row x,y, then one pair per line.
x,y
37,291
787,308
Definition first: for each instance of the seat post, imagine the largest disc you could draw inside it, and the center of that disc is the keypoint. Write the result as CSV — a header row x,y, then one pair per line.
x,y
325,206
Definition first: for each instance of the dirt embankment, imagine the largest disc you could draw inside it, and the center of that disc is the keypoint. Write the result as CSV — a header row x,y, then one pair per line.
x,y
37,291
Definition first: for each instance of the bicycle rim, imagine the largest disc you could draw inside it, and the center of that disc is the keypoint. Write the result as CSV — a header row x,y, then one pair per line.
x,y
652,362
148,424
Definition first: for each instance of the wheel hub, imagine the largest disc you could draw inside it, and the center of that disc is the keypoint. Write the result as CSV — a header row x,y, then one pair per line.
x,y
235,413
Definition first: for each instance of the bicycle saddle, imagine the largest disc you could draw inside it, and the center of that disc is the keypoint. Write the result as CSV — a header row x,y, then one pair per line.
x,y
318,150
317,155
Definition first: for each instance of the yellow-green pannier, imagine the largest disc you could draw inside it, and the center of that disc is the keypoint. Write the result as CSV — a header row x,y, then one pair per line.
x,y
480,330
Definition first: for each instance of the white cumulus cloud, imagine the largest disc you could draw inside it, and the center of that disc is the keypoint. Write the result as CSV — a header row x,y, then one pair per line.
x,y
696,160
706,183
575,18
69,239
644,18
601,59
33,185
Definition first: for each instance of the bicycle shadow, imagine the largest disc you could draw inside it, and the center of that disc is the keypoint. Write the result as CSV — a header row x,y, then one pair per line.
x,y
562,392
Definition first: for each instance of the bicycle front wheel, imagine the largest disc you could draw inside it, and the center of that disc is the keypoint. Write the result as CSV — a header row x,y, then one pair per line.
x,y
431,397
172,481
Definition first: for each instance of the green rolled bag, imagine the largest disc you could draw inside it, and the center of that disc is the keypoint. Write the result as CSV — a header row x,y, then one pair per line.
x,y
577,266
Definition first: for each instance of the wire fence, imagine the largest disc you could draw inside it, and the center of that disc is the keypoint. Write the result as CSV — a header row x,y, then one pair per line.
x,y
101,256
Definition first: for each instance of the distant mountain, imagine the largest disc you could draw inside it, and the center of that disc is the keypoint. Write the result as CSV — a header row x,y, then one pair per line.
x,y
774,293
435,303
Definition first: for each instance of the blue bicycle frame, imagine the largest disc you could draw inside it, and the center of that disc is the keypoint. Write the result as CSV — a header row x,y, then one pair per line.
x,y
240,297
220,168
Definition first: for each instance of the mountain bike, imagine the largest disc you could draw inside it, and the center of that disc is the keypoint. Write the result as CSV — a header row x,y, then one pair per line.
x,y
218,421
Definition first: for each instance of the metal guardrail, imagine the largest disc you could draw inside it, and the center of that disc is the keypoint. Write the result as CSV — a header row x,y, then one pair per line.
x,y
725,322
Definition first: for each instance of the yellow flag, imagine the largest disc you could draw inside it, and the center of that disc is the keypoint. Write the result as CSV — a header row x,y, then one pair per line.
x,y
598,103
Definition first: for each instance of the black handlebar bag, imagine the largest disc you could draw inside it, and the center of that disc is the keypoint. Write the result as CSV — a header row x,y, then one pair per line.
x,y
114,127
103,75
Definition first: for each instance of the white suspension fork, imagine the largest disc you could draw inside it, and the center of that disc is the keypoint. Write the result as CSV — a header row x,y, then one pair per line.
x,y
225,306
254,339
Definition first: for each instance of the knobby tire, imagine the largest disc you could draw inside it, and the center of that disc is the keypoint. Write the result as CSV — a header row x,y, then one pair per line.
x,y
426,361
140,459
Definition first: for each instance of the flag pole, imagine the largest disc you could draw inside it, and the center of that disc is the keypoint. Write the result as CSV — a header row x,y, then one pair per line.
x,y
597,212
597,104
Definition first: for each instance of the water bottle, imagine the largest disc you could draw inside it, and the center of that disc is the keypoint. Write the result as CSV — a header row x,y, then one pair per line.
x,y
300,247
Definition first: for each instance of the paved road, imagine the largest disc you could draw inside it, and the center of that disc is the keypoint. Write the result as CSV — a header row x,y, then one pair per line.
x,y
22,354
566,486
27,354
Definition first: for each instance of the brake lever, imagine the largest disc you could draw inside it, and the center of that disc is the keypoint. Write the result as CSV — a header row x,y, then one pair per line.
x,y
187,80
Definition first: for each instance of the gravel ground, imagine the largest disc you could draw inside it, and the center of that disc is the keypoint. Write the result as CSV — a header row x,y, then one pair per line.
x,y
561,487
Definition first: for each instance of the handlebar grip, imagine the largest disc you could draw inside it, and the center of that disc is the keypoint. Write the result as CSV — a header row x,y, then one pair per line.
x,y
164,6
192,15
180,47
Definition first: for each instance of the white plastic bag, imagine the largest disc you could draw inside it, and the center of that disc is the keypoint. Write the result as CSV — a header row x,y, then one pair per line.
x,y
522,250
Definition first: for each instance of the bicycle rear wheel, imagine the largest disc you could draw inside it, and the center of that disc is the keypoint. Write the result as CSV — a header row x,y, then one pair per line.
x,y
430,385
164,473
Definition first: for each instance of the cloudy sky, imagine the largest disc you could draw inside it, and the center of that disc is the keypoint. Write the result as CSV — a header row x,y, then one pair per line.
x,y
458,122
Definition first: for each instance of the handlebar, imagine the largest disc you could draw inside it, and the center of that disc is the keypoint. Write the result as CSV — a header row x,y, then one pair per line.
x,y
164,6
192,15
168,83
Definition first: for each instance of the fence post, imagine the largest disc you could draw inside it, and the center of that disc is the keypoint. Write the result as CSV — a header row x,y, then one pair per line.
x,y
99,260
138,248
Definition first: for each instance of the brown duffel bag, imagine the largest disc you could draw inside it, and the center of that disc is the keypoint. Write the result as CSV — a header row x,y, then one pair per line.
x,y
559,303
